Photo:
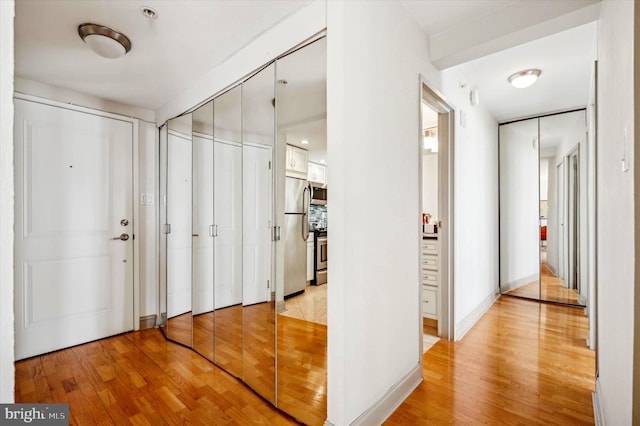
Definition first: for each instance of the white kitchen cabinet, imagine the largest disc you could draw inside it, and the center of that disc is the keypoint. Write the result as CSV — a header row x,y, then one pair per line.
x,y
317,173
297,162
310,253
430,278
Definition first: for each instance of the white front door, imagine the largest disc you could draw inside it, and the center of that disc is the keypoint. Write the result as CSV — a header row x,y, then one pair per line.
x,y
73,281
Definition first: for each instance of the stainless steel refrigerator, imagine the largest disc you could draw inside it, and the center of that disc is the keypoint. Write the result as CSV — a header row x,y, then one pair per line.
x,y
297,197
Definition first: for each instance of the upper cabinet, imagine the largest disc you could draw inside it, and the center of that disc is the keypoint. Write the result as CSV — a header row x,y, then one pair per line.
x,y
297,159
317,173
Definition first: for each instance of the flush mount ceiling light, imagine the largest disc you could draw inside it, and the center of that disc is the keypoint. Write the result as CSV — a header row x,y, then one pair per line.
x,y
524,78
304,142
104,41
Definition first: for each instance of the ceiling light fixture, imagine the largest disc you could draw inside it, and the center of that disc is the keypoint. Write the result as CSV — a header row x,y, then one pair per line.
x,y
104,41
524,78
304,142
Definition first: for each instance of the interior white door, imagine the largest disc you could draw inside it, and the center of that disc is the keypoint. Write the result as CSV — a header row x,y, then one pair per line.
x,y
202,218
256,224
179,198
228,221
74,192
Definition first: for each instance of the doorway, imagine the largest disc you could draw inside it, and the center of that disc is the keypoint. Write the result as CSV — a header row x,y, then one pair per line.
x,y
74,225
436,148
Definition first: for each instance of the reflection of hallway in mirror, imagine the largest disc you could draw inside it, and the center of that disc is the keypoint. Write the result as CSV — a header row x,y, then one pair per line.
x,y
551,288
311,305
179,328
203,334
228,338
258,356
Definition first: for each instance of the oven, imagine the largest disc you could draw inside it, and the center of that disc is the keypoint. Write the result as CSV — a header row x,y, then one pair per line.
x,y
320,258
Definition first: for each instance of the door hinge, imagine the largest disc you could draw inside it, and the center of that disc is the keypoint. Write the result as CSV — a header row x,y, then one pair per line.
x,y
213,230
269,165
275,233
267,283
167,228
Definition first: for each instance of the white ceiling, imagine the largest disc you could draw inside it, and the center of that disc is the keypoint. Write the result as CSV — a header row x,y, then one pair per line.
x,y
566,60
188,38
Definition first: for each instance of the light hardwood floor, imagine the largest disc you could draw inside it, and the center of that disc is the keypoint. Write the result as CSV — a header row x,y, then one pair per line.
x,y
522,363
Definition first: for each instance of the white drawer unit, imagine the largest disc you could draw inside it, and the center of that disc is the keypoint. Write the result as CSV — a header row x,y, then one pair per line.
x,y
429,278
429,304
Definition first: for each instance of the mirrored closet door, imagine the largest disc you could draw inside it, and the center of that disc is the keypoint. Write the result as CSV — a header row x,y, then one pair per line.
x,y
222,275
543,208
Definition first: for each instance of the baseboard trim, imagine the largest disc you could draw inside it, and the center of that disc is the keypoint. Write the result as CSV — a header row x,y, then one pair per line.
x,y
598,409
518,283
385,406
148,321
469,321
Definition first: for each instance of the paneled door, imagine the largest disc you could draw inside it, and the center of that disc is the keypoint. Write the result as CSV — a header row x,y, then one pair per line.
x,y
73,227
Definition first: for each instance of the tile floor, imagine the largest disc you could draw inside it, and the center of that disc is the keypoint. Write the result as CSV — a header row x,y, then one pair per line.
x,y
309,306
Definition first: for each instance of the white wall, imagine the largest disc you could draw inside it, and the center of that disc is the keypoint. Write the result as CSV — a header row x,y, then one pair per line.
x,y
147,178
430,185
476,205
615,212
7,375
376,53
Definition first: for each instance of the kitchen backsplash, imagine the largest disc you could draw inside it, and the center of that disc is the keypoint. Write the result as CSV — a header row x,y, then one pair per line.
x,y
317,216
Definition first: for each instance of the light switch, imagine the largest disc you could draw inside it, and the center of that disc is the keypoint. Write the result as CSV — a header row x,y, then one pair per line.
x,y
146,199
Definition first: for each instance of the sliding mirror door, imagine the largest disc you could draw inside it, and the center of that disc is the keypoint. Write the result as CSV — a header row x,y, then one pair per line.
x,y
301,321
178,230
519,209
258,293
202,236
563,208
227,190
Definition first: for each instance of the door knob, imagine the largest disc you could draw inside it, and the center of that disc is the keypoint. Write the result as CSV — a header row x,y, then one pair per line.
x,y
121,237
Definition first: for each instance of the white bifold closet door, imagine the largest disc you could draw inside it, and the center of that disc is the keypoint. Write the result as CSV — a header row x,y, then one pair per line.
x,y
74,199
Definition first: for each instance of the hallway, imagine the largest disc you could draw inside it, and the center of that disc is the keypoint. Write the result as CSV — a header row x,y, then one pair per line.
x,y
522,363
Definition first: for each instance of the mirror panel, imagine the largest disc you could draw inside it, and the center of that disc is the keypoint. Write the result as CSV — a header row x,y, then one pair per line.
x,y
227,153
178,213
162,290
563,208
203,316
258,298
519,209
301,320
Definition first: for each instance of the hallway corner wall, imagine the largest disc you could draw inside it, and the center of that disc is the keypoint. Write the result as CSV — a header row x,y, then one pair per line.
x,y
476,243
7,371
615,213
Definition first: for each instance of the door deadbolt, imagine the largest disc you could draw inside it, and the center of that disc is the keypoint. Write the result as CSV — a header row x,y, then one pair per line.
x,y
124,222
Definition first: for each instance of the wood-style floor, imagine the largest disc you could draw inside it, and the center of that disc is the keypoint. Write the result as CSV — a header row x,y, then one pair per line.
x,y
142,379
523,363
549,288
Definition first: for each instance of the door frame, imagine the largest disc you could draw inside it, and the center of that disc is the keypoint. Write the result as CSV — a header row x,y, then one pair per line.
x,y
446,135
135,185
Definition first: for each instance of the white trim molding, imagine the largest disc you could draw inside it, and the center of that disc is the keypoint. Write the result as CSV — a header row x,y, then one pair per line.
x,y
598,408
391,400
470,320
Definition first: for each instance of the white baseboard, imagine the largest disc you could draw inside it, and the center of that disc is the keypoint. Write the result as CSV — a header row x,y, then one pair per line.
x,y
385,406
518,283
598,409
469,321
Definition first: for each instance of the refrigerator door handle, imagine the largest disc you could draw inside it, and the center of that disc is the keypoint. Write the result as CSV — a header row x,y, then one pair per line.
x,y
305,212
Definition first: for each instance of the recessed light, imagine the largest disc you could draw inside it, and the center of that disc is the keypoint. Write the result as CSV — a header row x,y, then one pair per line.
x,y
104,41
524,78
148,12
304,142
